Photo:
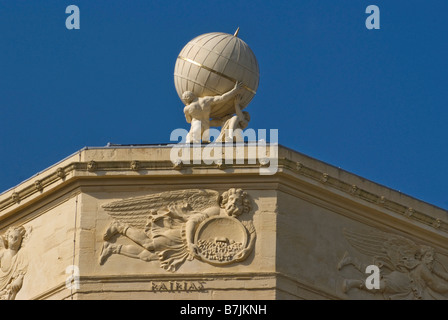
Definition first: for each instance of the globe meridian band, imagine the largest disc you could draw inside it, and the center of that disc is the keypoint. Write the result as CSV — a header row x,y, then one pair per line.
x,y
215,72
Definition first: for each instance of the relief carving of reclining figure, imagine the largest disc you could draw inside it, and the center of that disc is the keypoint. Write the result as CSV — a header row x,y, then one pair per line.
x,y
164,226
408,270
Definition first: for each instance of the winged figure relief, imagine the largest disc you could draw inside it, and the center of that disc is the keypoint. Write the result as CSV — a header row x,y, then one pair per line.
x,y
162,226
13,262
408,270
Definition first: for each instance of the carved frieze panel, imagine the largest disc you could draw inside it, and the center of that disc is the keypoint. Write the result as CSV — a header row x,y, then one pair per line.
x,y
174,226
407,270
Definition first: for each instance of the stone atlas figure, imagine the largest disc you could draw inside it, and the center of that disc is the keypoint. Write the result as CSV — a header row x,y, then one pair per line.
x,y
232,126
216,76
197,112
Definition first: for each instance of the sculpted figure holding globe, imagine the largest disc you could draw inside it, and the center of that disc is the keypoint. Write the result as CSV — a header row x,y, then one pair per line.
x,y
197,112
216,76
232,126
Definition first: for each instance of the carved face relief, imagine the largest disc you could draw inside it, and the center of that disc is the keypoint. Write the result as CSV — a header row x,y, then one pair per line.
x,y
428,257
234,205
235,202
409,261
14,238
167,222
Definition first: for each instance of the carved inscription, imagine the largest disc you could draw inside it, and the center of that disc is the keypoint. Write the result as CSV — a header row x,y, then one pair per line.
x,y
177,286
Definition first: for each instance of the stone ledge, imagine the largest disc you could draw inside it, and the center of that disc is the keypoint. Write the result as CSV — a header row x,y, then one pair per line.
x,y
124,169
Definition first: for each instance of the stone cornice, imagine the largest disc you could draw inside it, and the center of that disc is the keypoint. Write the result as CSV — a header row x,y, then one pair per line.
x,y
58,176
358,192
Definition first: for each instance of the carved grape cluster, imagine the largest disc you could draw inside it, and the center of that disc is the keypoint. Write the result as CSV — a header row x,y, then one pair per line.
x,y
219,250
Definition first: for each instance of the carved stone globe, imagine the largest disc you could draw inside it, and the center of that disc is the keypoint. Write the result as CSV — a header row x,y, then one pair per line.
x,y
211,64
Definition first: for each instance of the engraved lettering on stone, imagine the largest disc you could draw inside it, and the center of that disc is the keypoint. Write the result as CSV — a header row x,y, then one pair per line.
x,y
409,271
177,286
174,226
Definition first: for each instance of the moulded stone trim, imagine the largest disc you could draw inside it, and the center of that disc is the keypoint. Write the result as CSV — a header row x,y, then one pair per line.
x,y
75,169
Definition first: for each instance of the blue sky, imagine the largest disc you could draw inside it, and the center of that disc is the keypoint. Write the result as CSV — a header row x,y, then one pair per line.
x,y
373,102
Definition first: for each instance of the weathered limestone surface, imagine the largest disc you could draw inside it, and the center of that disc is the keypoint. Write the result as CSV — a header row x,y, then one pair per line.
x,y
310,231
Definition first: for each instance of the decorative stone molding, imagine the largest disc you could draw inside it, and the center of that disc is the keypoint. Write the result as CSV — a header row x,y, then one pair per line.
x,y
177,164
264,162
60,173
15,197
354,190
135,165
38,185
220,164
92,166
362,194
283,163
222,240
